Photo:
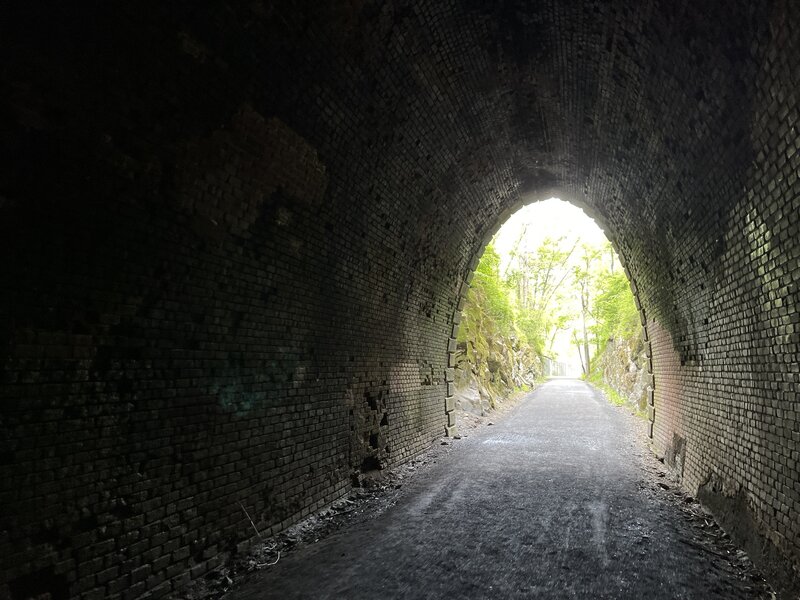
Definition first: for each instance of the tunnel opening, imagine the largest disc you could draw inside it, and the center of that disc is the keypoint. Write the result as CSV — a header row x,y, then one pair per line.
x,y
549,297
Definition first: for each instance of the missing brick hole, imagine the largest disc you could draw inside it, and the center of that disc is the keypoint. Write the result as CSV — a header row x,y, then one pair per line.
x,y
40,584
50,536
121,509
88,522
373,441
371,463
675,455
372,401
385,420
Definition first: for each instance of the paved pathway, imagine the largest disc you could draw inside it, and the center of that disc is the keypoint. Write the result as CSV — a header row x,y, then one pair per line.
x,y
548,503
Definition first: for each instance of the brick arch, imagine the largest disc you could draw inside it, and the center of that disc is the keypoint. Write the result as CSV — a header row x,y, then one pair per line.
x,y
233,240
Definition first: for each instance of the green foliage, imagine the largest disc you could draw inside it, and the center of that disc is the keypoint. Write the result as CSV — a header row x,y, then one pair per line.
x,y
561,286
491,293
614,310
491,345
538,279
488,312
615,318
530,327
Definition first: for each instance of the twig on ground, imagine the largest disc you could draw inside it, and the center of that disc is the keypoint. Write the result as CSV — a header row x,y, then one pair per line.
x,y
258,533
275,562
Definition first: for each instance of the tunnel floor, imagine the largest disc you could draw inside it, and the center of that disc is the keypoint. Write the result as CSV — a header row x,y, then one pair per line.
x,y
558,499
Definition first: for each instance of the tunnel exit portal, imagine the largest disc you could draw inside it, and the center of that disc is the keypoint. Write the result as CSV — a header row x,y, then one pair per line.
x,y
549,296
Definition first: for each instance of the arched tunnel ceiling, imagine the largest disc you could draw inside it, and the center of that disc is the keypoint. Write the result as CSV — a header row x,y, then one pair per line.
x,y
641,112
237,217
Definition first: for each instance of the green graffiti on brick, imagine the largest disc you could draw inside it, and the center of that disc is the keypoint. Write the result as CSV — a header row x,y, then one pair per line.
x,y
235,399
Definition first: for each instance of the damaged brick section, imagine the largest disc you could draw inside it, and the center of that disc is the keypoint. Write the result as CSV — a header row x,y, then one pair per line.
x,y
374,449
729,503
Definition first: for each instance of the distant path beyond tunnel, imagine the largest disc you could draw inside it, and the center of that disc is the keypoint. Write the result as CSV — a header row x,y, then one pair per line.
x,y
551,502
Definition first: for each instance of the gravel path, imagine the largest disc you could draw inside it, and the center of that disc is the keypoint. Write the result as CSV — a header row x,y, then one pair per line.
x,y
558,499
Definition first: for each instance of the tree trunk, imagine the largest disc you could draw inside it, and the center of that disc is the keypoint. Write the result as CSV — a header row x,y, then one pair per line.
x,y
584,311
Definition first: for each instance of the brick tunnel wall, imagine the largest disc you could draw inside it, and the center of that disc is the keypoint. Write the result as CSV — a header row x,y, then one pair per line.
x,y
234,239
727,355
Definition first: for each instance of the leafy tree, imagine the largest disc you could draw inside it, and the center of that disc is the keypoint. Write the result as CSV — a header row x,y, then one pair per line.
x,y
584,278
615,311
561,285
538,278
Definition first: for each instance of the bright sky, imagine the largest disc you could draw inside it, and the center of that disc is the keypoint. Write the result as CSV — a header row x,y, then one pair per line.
x,y
549,218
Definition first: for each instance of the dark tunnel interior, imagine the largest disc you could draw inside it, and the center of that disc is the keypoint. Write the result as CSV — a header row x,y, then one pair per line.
x,y
236,238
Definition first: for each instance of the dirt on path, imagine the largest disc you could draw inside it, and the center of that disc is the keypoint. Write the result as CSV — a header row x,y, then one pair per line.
x,y
558,498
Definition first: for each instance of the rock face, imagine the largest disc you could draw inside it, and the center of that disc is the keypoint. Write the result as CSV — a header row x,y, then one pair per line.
x,y
624,368
499,367
468,394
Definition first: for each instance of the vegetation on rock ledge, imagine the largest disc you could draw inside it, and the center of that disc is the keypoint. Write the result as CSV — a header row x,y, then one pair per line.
x,y
514,313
